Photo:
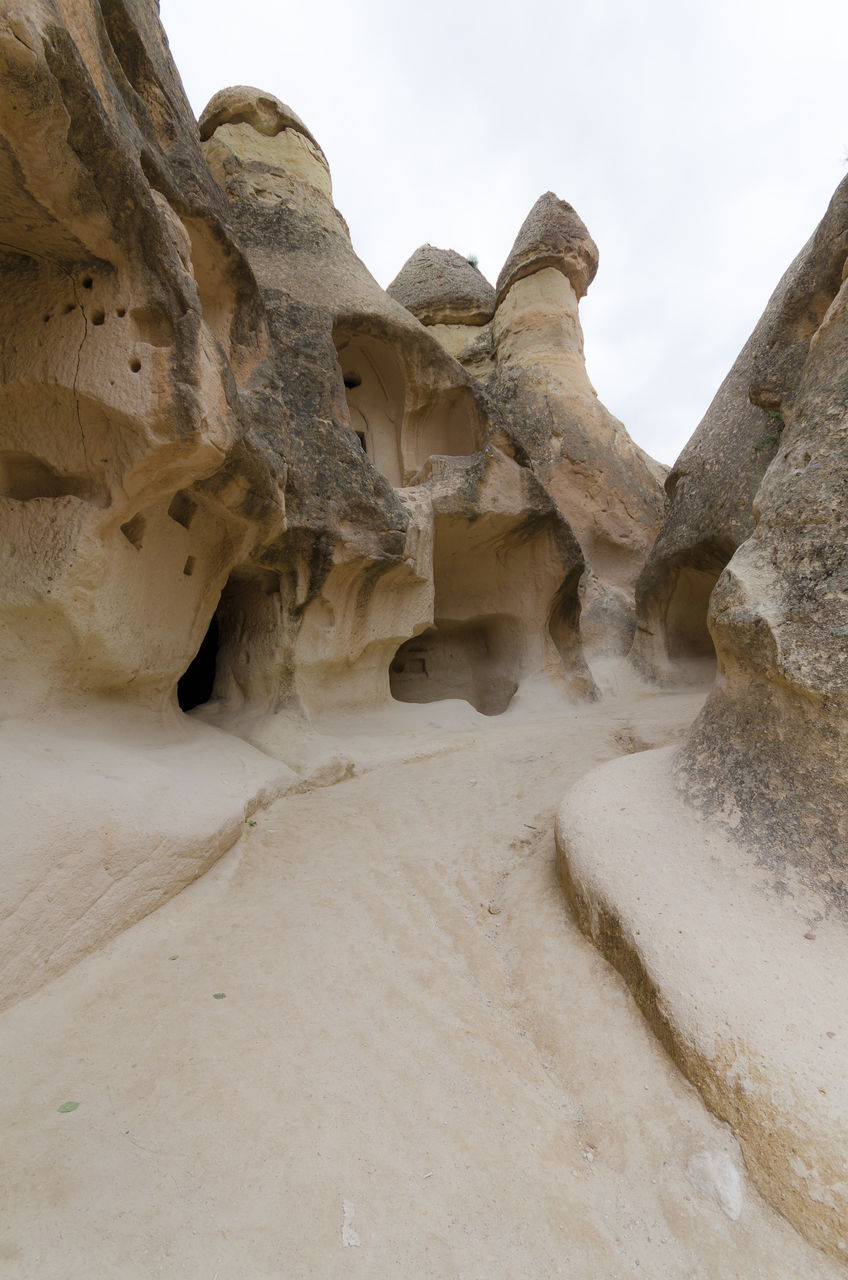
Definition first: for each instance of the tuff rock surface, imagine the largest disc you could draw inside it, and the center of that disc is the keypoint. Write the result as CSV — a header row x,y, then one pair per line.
x,y
552,235
241,481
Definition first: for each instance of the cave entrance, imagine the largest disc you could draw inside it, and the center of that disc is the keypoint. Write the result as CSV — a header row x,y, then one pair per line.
x,y
197,682
242,657
477,661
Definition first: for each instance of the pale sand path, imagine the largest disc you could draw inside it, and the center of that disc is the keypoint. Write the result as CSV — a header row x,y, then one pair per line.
x,y
464,1094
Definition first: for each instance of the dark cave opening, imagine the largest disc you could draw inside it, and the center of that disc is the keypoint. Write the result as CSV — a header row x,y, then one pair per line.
x,y
195,686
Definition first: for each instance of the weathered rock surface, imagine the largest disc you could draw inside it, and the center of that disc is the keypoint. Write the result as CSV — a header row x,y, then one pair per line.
x,y
135,384
132,335
771,746
552,235
727,912
439,286
238,478
608,490
713,485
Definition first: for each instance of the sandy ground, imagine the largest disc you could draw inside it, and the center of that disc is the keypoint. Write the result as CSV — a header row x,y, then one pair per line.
x,y
419,1067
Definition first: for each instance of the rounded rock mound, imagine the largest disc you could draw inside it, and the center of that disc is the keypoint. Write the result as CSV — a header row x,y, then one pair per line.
x,y
439,286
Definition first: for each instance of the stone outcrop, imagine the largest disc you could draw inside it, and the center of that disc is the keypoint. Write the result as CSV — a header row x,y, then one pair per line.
x,y
715,876
240,480
779,620
530,358
713,485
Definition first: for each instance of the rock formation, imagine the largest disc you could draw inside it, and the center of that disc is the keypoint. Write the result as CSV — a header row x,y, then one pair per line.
x,y
439,286
530,358
241,481
136,384
726,909
237,479
386,445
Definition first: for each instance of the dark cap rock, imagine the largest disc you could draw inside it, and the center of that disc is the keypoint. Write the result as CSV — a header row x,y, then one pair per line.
x,y
553,235
439,286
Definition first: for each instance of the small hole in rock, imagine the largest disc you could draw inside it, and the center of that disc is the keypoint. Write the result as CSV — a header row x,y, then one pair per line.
x,y
135,365
88,283
46,318
352,380
188,567
99,317
69,307
182,508
121,312
133,531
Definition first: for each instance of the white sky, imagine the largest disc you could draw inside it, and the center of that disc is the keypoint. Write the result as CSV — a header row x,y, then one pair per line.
x,y
699,141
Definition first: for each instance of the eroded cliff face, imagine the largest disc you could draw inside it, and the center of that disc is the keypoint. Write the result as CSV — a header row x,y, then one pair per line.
x,y
134,349
238,479
388,442
136,387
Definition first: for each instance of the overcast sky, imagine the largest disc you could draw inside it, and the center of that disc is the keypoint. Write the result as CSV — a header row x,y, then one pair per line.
x,y
700,143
